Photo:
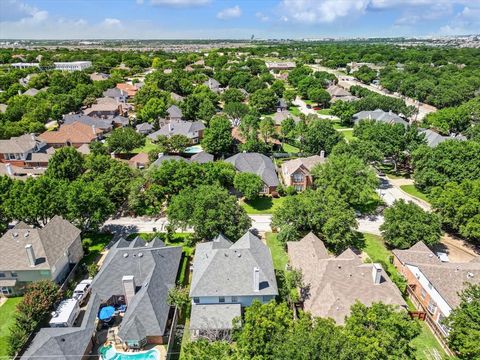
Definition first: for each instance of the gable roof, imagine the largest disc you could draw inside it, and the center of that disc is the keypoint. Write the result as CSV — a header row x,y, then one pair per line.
x,y
65,343
448,279
104,104
144,127
49,244
174,112
337,91
115,93
336,283
289,167
379,115
75,133
255,163
221,268
202,157
20,144
154,267
103,124
433,138
189,129
283,115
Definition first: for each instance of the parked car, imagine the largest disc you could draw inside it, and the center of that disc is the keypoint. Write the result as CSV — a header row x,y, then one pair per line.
x,y
65,314
309,106
316,108
82,290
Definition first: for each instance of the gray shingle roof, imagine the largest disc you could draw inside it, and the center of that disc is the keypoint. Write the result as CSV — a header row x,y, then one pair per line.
x,y
221,268
280,116
144,127
379,115
103,124
189,129
161,158
433,138
174,112
335,283
20,144
202,157
49,244
256,163
214,316
154,267
65,343
114,93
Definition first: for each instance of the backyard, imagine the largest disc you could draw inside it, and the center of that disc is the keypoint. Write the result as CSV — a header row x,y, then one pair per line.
x,y
93,245
146,148
290,148
7,318
279,255
261,205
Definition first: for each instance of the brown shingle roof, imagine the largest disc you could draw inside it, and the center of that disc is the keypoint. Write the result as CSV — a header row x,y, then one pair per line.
x,y
336,283
74,133
289,167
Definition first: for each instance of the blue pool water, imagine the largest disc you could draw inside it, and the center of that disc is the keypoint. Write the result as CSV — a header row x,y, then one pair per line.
x,y
195,149
109,353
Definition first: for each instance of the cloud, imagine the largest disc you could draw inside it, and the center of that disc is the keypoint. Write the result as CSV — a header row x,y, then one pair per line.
x,y
320,11
262,17
111,22
464,22
180,3
230,13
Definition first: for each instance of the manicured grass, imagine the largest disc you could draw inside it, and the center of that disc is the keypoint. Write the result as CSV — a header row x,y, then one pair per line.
x,y
427,345
290,148
377,251
93,250
178,239
279,255
294,110
146,148
261,205
338,126
7,318
412,190
348,134
325,111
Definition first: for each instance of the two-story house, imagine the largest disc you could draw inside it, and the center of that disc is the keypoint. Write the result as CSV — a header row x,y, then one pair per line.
x,y
191,129
434,285
18,150
226,277
32,254
298,172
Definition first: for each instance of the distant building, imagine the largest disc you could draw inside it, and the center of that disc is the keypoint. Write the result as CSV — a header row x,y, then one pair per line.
x,y
258,164
74,134
433,138
105,107
280,116
144,128
23,65
31,254
174,113
117,94
286,65
379,116
99,76
297,172
339,93
337,282
72,65
213,85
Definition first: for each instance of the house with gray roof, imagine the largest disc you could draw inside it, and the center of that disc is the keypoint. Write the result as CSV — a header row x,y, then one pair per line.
x,y
433,138
335,283
379,116
117,94
258,164
281,105
213,85
433,284
174,113
102,124
144,128
191,129
298,172
32,254
19,150
66,343
202,157
140,275
280,116
227,273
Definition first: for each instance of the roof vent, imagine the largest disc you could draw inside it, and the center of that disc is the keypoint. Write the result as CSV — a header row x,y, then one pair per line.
x,y
239,255
26,233
470,274
125,255
140,254
15,234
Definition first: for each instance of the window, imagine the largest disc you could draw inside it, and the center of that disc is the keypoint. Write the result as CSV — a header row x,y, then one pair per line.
x,y
432,306
2,274
298,188
444,328
265,298
196,300
221,299
234,299
424,293
430,286
13,274
297,177
5,290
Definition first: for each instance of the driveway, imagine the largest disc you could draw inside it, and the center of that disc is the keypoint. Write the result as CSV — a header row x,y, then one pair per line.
x,y
390,191
302,106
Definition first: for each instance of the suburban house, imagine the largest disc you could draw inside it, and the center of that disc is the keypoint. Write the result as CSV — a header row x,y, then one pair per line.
x,y
72,65
226,277
106,107
335,283
433,138
379,116
174,113
31,254
176,97
281,105
213,85
200,158
105,125
280,116
297,172
191,129
99,76
144,128
74,134
339,93
117,94
258,164
130,89
433,285
19,151
75,342
139,275
20,173
277,66
139,161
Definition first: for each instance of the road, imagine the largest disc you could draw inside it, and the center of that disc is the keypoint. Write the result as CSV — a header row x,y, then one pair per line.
x,y
302,106
346,81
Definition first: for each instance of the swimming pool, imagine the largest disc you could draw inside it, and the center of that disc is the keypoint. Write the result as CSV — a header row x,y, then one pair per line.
x,y
109,353
195,149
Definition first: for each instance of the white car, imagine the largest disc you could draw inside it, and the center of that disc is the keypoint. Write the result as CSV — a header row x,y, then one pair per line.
x,y
82,290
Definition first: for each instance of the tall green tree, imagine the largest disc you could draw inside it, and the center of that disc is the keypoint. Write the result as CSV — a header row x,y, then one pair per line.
x,y
124,140
248,184
218,138
320,135
65,164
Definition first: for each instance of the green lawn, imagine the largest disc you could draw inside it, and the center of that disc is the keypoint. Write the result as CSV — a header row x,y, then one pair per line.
x,y
7,318
262,205
348,134
96,246
290,148
279,255
146,148
376,250
294,110
412,190
325,111
427,345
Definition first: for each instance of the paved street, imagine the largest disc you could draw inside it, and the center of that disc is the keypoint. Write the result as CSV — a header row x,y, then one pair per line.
x,y
346,81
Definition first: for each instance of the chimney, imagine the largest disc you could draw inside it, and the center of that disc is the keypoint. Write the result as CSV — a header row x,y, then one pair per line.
x,y
322,154
256,279
30,255
160,155
94,130
128,282
170,127
376,273
33,137
8,167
